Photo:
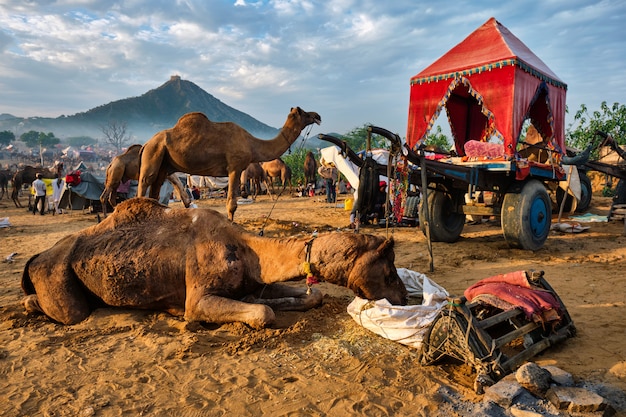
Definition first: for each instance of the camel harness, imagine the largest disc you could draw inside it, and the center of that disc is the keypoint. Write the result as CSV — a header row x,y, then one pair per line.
x,y
306,265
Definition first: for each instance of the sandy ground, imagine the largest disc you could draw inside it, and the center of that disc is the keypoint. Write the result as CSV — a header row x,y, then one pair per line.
x,y
317,363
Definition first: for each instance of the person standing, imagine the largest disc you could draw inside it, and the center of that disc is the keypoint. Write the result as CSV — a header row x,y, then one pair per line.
x,y
57,191
40,194
330,175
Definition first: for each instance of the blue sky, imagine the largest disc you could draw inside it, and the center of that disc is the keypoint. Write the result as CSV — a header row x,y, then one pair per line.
x,y
348,60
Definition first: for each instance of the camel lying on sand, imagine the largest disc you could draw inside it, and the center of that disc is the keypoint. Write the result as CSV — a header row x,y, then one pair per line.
x,y
197,264
198,146
125,167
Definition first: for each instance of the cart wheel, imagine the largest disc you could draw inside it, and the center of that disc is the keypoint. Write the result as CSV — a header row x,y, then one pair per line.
x,y
446,224
586,192
526,216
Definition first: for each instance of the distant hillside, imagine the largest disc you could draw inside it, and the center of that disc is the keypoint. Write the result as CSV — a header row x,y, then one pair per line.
x,y
145,115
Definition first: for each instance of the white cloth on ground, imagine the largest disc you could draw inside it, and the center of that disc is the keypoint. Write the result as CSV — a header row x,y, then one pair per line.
x,y
403,324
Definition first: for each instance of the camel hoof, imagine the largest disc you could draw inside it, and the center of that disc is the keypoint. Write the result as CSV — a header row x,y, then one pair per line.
x,y
31,304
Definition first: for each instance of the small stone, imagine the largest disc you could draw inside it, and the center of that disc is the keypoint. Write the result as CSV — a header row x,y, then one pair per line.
x,y
88,412
576,400
518,412
559,376
503,393
534,378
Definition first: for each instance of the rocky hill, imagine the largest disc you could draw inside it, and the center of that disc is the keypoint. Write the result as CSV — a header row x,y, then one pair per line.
x,y
145,115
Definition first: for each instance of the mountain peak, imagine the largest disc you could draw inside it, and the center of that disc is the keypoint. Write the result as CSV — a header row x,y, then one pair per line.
x,y
145,115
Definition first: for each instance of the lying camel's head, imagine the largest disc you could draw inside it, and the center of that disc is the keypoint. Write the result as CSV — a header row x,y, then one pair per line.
x,y
374,276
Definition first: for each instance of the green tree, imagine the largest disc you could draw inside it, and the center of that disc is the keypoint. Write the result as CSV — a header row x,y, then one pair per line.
x,y
34,139
357,139
437,138
608,119
295,161
78,141
6,137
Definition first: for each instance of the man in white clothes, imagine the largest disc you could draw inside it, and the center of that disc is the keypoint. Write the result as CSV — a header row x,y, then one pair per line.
x,y
57,191
40,195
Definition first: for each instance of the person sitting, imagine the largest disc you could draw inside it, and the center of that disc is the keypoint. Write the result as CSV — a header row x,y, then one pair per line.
x,y
381,204
377,210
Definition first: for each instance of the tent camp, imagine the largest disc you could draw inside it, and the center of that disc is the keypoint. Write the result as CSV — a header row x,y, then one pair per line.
x,y
87,193
82,195
489,84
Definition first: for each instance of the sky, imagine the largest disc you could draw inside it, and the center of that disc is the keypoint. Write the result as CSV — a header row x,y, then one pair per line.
x,y
348,60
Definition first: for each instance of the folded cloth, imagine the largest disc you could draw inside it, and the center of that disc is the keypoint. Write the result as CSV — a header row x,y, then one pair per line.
x,y
475,149
539,305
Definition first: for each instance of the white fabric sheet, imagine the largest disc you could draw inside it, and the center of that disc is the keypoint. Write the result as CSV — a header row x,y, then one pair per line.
x,y
402,324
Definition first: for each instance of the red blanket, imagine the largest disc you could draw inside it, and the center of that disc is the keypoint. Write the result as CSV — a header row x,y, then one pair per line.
x,y
514,288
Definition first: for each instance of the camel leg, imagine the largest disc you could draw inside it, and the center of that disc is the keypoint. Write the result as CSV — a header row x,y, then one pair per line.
x,y
58,293
286,298
150,165
219,310
155,188
103,200
179,189
15,198
234,179
109,195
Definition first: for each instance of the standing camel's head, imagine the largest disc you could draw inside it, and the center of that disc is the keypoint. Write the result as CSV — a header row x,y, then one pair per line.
x,y
374,276
299,119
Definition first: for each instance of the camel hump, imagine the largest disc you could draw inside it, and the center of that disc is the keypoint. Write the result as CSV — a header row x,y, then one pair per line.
x,y
193,117
138,209
133,148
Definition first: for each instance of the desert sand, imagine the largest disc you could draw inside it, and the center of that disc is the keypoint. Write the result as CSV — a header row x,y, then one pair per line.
x,y
315,363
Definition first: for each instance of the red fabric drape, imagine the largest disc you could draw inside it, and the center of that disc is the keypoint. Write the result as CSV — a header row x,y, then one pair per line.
x,y
502,76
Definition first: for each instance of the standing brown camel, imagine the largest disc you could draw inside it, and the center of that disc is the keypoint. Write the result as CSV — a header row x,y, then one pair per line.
x,y
310,168
277,168
27,175
251,179
125,167
5,176
198,146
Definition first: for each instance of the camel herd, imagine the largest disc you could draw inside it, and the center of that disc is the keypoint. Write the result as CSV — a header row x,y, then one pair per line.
x,y
194,262
196,146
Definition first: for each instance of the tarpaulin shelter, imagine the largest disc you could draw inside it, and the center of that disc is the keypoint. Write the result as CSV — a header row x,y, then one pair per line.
x,y
489,84
82,195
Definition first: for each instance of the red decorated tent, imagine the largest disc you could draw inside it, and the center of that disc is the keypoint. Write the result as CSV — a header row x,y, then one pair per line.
x,y
490,83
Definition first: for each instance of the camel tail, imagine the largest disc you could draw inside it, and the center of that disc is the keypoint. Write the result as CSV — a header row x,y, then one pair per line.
x,y
27,284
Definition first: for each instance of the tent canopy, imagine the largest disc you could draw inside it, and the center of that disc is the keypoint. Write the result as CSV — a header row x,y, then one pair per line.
x,y
489,84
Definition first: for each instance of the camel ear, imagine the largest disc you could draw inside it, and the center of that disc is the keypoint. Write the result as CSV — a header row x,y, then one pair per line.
x,y
385,247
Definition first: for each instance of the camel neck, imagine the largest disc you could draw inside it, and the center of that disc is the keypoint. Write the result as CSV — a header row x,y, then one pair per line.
x,y
284,260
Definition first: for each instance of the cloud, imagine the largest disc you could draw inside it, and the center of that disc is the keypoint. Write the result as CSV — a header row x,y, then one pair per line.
x,y
349,60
